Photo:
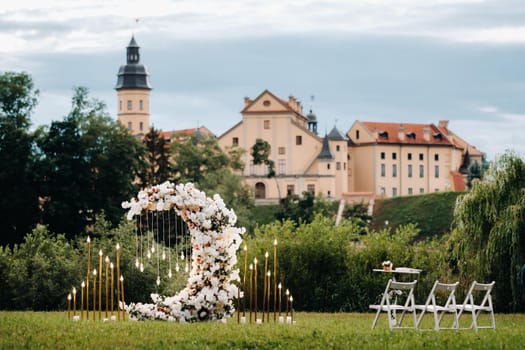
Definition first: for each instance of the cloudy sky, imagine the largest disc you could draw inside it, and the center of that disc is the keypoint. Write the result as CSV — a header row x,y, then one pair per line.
x,y
372,60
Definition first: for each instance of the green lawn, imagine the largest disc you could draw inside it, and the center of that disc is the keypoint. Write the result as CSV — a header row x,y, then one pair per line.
x,y
52,330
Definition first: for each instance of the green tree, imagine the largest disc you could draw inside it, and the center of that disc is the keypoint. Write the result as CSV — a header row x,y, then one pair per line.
x,y
19,200
157,168
488,242
261,152
89,163
193,159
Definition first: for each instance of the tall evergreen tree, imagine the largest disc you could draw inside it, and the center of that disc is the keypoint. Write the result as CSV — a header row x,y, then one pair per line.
x,y
157,168
19,199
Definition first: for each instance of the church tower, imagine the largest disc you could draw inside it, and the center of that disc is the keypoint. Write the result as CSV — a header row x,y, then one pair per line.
x,y
133,91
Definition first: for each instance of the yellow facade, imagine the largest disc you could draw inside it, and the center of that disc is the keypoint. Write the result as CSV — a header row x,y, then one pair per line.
x,y
294,150
372,159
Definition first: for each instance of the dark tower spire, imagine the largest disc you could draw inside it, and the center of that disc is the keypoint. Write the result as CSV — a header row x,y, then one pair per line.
x,y
133,75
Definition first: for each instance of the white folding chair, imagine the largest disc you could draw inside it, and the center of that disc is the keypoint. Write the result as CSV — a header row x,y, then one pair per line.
x,y
478,300
397,297
440,292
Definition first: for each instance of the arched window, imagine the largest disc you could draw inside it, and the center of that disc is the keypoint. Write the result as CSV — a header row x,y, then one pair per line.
x,y
260,190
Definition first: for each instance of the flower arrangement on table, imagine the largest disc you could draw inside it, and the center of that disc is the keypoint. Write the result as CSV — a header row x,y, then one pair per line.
x,y
211,287
387,265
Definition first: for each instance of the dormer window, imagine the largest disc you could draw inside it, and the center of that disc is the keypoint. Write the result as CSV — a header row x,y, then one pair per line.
x,y
383,134
411,135
438,136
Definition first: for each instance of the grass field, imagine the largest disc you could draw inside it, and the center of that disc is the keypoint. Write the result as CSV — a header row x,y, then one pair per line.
x,y
52,330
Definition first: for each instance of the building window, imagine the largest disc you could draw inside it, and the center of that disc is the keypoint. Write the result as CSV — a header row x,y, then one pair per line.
x,y
382,155
267,124
421,190
383,191
298,140
328,166
260,190
394,155
141,105
252,168
281,150
409,156
394,170
436,157
282,166
120,104
436,171
235,141
357,134
394,191
141,126
410,190
421,156
130,126
421,171
436,189
344,165
409,170
383,170
337,148
129,105
290,190
338,166
310,188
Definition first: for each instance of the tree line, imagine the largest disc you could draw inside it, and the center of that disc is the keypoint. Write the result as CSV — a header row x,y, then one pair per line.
x,y
64,174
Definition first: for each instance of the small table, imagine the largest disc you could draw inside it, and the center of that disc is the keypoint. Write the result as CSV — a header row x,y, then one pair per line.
x,y
400,270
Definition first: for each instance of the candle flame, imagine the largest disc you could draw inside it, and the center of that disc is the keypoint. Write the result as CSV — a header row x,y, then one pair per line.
x,y
255,261
118,246
83,284
287,292
137,264
245,248
158,281
266,255
111,265
275,242
74,290
268,273
251,266
121,278
107,259
88,239
291,298
69,296
100,252
279,286
141,267
94,272
170,274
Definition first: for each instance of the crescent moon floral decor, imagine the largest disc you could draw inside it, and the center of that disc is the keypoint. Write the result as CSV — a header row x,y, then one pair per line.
x,y
211,286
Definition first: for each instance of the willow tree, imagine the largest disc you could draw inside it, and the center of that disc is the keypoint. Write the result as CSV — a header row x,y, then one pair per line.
x,y
488,242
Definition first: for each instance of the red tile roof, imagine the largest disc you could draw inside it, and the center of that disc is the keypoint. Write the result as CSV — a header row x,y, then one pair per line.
x,y
458,181
413,133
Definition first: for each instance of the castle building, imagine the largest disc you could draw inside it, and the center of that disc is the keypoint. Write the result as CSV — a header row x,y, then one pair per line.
x,y
373,159
133,92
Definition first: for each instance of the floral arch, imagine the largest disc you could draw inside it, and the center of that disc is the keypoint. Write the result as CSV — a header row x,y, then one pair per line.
x,y
210,290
